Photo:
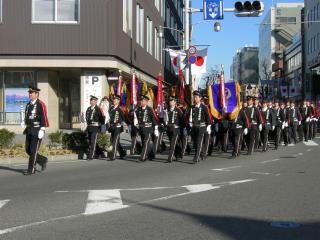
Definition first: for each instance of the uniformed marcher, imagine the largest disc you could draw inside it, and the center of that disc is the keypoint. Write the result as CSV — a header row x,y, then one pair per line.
x,y
268,125
36,122
174,121
146,120
255,122
200,124
278,123
305,112
93,119
240,126
294,121
117,120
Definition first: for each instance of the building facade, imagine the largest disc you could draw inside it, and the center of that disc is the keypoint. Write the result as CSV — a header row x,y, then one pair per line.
x,y
245,67
71,49
276,32
312,49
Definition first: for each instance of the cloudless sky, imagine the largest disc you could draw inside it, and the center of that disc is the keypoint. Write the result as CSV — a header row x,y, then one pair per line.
x,y
235,33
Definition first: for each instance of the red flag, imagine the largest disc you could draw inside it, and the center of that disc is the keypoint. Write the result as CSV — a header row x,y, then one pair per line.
x,y
159,93
133,96
222,92
120,83
181,77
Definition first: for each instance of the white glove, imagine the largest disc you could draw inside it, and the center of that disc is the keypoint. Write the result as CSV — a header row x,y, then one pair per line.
x,y
286,124
216,128
156,133
260,127
283,126
185,132
209,129
41,134
245,131
22,125
190,124
299,122
308,119
273,128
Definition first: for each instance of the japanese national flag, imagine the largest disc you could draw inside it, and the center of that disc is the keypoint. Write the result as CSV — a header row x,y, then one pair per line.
x,y
178,60
200,65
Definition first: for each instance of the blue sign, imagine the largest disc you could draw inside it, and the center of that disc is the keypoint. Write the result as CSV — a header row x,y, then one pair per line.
x,y
212,9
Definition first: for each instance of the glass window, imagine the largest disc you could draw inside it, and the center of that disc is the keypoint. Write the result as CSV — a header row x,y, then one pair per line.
x,y
15,95
157,4
56,11
149,35
127,17
0,10
140,25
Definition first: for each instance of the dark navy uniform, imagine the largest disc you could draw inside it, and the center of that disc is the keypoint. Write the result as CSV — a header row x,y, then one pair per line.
x,y
278,118
269,122
294,118
147,123
240,123
175,125
35,121
93,119
255,120
199,121
117,119
305,113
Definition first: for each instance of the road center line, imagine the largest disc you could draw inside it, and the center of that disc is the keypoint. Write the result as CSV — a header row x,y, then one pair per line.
x,y
227,169
311,143
101,201
269,161
3,202
260,173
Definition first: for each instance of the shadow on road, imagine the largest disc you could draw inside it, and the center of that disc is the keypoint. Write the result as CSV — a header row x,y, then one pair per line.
x,y
12,169
239,228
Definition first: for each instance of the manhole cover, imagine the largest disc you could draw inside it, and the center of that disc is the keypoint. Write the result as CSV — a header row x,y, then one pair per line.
x,y
285,224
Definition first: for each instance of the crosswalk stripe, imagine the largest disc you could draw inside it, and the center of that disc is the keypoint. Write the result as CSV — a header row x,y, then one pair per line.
x,y
101,201
3,202
311,143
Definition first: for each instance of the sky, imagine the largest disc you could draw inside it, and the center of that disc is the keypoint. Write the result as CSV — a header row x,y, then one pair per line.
x,y
235,33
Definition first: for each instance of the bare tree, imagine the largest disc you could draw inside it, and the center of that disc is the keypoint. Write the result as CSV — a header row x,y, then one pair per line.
x,y
265,70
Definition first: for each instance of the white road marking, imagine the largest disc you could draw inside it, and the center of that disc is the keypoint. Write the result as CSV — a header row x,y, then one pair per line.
x,y
309,150
200,188
269,161
101,201
3,202
311,143
260,173
109,197
300,154
227,169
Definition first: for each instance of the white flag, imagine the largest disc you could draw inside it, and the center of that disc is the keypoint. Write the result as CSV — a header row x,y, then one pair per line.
x,y
178,60
200,65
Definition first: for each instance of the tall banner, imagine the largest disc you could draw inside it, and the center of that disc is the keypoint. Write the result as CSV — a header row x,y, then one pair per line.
x,y
133,97
120,83
160,93
222,92
232,100
181,78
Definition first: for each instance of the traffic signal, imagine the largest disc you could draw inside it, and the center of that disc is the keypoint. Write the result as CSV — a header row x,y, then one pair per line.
x,y
248,8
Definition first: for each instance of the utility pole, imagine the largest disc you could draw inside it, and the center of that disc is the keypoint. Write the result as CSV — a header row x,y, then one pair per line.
x,y
187,36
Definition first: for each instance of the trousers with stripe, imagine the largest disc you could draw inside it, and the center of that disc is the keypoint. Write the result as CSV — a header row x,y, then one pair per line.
x,y
92,138
237,140
116,146
146,137
175,143
198,138
32,146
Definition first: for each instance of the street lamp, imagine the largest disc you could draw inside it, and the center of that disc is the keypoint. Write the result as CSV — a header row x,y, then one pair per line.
x,y
161,31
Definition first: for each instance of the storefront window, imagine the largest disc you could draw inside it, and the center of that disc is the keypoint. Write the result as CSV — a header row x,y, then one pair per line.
x,y
14,95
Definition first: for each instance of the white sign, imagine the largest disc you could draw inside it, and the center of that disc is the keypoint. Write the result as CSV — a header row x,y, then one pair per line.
x,y
92,86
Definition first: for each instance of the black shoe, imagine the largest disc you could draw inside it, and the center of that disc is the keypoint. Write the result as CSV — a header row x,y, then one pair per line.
x,y
28,172
112,159
44,165
151,156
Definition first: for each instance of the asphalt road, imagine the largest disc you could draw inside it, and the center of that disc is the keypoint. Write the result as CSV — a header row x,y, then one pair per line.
x,y
273,195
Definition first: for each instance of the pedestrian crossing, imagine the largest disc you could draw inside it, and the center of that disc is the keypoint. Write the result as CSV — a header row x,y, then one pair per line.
x,y
3,202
